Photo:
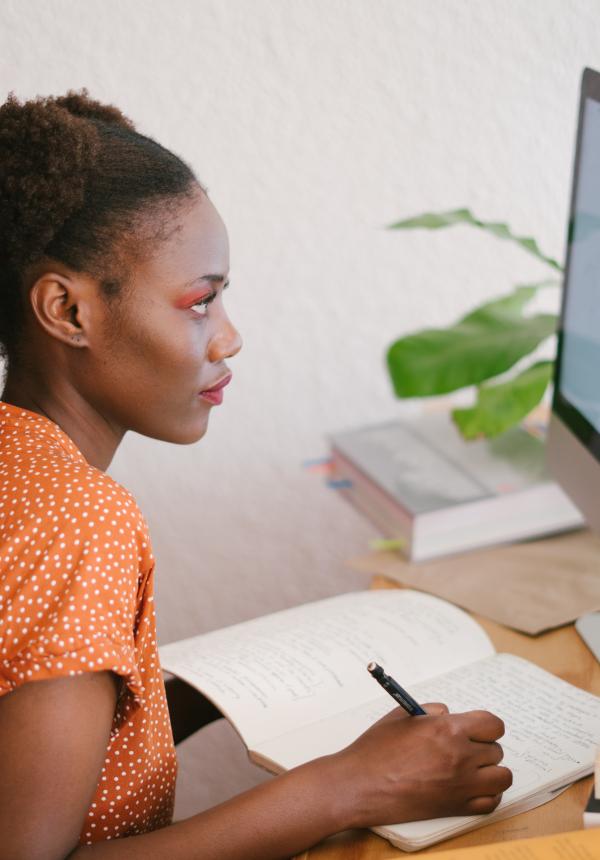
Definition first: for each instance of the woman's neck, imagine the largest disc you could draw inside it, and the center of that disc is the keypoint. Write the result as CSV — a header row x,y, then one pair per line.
x,y
92,433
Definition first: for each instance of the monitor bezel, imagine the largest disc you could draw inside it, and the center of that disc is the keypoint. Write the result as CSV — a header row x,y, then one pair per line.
x,y
569,414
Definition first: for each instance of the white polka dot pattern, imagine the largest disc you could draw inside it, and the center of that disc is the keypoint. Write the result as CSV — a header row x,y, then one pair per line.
x,y
76,595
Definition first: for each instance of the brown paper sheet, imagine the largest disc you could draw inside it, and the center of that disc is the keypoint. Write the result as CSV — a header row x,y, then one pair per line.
x,y
531,587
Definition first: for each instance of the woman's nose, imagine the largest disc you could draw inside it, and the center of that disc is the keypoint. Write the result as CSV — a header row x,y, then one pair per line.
x,y
225,342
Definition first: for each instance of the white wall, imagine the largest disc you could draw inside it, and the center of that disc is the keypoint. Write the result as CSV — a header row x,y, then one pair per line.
x,y
314,123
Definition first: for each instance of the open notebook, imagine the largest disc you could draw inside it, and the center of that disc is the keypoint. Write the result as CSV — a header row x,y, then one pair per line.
x,y
294,685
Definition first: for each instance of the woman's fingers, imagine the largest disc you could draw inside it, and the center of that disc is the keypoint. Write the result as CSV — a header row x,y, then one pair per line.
x,y
483,805
436,709
488,753
492,779
482,726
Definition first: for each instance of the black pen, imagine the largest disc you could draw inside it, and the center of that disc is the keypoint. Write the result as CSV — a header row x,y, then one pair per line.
x,y
396,691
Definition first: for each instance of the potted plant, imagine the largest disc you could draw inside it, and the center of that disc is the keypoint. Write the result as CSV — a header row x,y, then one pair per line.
x,y
481,346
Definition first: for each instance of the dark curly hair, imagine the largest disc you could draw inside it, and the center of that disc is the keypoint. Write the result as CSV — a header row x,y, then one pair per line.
x,y
76,181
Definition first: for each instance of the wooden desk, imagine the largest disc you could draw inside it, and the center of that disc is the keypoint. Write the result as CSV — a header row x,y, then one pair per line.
x,y
561,652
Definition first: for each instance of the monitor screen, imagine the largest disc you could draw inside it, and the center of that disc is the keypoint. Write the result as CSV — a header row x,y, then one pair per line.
x,y
577,384
573,443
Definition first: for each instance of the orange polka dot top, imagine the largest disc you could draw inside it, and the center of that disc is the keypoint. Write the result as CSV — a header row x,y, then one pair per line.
x,y
76,595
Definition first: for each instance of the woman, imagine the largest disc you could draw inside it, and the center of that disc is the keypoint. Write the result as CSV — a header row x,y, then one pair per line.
x,y
114,262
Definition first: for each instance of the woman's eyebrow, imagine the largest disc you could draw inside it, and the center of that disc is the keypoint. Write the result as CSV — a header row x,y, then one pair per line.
x,y
213,279
210,278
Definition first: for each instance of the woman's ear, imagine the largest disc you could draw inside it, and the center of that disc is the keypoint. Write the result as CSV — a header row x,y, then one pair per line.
x,y
61,305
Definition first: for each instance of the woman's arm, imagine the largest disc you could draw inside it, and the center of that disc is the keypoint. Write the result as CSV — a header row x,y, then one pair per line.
x,y
53,738
189,710
401,769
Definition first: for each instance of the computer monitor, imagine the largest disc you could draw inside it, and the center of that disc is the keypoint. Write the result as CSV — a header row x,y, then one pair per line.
x,y
573,445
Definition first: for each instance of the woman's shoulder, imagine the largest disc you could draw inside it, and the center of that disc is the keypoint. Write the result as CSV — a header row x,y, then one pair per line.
x,y
75,563
62,493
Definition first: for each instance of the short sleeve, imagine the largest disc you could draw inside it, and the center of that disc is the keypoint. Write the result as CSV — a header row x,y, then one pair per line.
x,y
71,571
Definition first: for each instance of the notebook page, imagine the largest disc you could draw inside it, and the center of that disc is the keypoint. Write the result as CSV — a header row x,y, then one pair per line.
x,y
552,731
276,673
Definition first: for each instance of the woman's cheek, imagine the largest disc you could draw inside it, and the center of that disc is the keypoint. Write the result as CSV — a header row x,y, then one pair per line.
x,y
192,345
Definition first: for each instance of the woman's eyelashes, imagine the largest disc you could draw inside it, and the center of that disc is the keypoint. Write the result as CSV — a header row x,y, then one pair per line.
x,y
205,301
203,304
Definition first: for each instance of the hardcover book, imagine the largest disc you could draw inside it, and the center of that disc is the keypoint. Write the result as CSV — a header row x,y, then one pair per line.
x,y
420,483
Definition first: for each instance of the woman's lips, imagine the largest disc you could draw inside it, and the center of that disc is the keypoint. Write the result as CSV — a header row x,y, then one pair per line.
x,y
214,394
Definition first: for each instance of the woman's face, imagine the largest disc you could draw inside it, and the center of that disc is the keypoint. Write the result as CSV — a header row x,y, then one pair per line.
x,y
158,364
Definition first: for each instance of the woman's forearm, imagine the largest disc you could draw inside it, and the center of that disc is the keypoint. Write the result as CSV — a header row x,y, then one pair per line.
x,y
275,820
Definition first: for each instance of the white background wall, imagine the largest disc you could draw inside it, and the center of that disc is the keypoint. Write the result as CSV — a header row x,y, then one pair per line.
x,y
314,123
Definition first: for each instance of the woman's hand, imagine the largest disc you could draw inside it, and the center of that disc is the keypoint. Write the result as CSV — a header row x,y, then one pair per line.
x,y
408,768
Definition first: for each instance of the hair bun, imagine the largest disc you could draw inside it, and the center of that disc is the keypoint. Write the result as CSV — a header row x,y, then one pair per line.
x,y
80,104
46,153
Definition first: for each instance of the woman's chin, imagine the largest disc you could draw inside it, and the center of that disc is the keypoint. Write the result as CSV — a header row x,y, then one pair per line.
x,y
193,434
181,434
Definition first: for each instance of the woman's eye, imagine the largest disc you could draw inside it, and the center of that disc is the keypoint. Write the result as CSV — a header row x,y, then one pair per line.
x,y
201,308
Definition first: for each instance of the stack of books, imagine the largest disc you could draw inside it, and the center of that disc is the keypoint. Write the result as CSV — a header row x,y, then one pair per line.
x,y
424,486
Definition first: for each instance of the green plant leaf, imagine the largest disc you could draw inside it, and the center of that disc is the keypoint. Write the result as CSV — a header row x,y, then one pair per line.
x,y
437,220
487,342
542,285
510,305
499,407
